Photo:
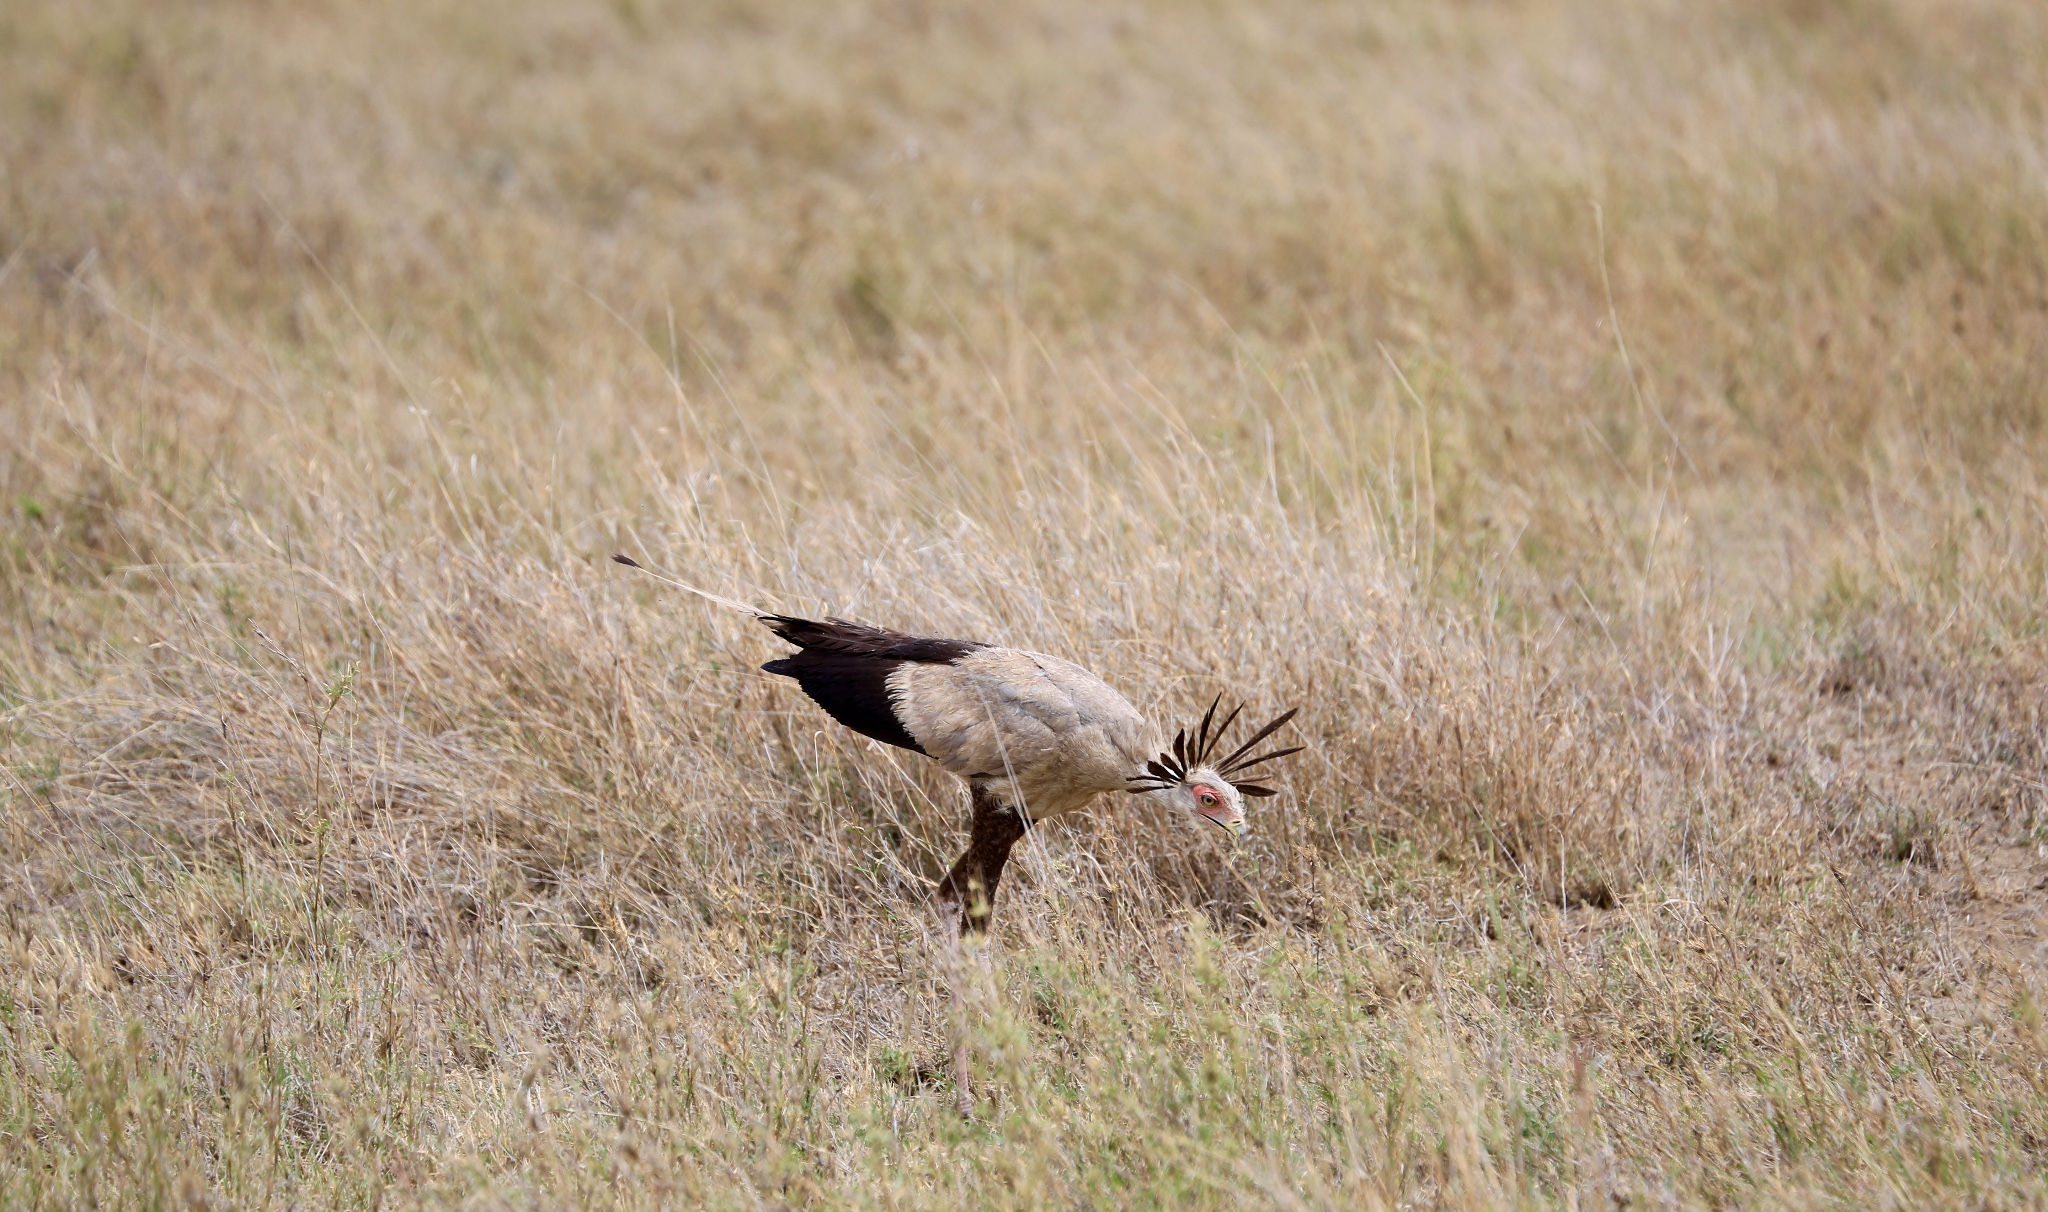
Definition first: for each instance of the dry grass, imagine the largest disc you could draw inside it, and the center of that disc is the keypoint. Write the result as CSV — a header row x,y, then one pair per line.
x,y
1622,427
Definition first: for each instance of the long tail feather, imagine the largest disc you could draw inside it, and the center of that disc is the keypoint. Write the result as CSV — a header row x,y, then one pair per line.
x,y
707,595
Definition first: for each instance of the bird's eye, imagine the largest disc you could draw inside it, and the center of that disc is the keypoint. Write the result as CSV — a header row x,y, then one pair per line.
x,y
1208,800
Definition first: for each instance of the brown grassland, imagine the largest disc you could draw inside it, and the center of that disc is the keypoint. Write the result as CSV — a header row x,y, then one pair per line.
x,y
1620,426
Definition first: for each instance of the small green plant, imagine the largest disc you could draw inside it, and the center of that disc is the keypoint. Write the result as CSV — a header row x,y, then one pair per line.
x,y
1910,836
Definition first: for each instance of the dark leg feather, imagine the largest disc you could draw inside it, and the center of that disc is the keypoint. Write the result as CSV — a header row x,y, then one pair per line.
x,y
971,884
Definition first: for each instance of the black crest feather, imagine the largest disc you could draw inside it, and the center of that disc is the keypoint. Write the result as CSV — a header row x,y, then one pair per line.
x,y
1278,722
1172,767
1202,734
1248,763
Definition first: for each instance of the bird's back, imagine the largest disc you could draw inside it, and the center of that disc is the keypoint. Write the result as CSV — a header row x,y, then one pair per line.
x,y
1052,730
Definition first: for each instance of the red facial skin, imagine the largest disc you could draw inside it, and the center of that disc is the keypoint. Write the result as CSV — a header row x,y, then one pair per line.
x,y
1214,807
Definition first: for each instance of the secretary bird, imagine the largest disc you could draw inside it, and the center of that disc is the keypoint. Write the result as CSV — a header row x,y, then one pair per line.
x,y
1035,737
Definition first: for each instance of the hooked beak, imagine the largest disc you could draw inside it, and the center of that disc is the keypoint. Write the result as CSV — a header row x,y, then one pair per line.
x,y
1230,819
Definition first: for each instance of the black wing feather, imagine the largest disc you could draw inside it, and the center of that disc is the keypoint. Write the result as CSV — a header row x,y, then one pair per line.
x,y
844,667
858,639
853,690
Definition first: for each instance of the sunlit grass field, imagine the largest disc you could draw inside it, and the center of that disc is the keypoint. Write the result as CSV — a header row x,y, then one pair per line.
x,y
1621,428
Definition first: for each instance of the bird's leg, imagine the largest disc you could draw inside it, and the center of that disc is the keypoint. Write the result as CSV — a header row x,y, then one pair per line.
x,y
970,972
971,884
968,893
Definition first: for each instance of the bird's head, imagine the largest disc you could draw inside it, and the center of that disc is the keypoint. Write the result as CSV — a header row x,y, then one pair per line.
x,y
1186,776
1212,797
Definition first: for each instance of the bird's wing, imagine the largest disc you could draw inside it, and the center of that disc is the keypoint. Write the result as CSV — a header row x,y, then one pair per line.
x,y
975,716
1004,713
858,639
1098,704
846,669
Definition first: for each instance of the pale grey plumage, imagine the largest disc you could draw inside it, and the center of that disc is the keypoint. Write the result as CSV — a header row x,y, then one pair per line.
x,y
1055,734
